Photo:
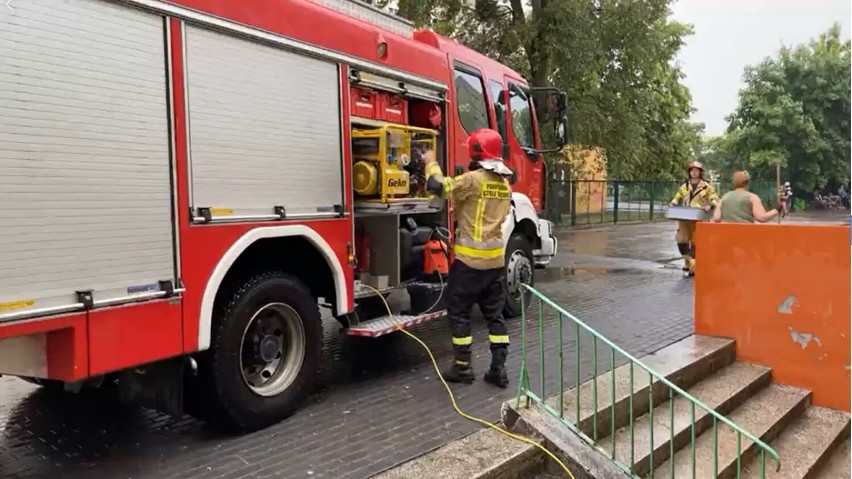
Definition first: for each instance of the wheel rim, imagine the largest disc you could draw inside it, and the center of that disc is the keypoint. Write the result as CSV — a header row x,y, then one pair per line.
x,y
272,349
518,270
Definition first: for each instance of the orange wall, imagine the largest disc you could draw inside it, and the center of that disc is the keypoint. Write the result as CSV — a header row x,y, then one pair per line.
x,y
782,292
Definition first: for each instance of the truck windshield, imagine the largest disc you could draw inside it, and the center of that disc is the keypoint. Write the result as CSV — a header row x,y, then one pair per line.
x,y
522,125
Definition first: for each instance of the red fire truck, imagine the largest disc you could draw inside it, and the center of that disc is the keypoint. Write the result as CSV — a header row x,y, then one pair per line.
x,y
185,183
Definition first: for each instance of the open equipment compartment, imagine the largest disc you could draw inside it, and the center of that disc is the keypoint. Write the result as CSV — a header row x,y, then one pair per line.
x,y
375,236
401,235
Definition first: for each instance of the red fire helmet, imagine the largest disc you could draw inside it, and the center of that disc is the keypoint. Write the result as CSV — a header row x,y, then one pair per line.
x,y
485,144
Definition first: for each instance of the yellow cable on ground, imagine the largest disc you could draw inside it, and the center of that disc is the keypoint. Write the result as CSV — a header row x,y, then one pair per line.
x,y
453,399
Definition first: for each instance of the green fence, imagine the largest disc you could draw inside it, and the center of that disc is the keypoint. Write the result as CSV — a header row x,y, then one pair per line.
x,y
660,391
588,202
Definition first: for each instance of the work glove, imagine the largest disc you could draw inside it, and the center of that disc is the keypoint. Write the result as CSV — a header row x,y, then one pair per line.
x,y
431,165
429,158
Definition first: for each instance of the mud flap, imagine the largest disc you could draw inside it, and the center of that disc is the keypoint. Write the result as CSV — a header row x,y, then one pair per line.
x,y
157,386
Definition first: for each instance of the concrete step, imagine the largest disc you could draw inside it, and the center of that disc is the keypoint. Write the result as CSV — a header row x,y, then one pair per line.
x,y
722,392
805,445
684,363
485,454
764,416
838,464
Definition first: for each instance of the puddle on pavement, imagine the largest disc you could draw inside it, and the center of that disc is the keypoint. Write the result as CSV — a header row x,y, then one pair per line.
x,y
555,274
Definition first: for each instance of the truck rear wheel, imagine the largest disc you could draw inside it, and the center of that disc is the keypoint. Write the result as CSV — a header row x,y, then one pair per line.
x,y
265,350
519,269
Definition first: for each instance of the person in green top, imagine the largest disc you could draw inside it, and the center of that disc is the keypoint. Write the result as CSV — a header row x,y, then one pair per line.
x,y
741,205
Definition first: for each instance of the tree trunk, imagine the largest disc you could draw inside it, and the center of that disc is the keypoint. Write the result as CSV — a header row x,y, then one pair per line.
x,y
537,46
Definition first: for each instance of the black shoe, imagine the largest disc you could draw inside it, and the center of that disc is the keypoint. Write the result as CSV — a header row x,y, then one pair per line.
x,y
459,374
497,377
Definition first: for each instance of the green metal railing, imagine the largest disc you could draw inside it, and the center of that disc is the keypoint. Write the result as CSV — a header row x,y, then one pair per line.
x,y
580,426
588,202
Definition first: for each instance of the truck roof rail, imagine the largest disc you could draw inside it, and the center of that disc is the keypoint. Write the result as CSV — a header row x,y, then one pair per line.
x,y
367,12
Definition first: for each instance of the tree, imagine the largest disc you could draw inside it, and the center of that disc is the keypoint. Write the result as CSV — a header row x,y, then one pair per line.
x,y
715,153
794,110
615,58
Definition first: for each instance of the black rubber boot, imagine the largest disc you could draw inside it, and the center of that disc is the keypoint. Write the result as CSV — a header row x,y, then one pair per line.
x,y
686,254
497,377
458,374
496,374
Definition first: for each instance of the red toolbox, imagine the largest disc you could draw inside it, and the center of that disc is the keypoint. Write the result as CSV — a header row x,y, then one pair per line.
x,y
364,103
393,108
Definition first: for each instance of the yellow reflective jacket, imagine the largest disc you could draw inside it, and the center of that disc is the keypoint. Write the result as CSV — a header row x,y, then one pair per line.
x,y
481,200
696,196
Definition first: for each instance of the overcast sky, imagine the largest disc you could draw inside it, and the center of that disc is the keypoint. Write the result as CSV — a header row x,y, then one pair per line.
x,y
730,34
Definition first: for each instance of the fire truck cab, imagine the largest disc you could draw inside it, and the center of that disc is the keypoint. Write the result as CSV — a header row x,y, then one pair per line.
x,y
186,183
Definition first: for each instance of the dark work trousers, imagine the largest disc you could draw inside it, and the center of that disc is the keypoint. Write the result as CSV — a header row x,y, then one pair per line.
x,y
465,287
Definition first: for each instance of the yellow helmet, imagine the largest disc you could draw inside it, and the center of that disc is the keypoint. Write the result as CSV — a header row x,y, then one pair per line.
x,y
695,164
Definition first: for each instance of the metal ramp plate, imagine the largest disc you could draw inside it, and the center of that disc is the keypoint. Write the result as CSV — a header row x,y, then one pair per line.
x,y
385,324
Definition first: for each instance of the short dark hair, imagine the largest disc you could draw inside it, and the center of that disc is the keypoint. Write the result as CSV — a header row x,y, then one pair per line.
x,y
740,179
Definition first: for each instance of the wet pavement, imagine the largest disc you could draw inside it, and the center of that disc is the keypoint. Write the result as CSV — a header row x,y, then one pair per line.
x,y
379,402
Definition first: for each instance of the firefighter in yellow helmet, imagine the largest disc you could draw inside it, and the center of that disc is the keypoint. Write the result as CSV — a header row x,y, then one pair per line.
x,y
698,193
482,198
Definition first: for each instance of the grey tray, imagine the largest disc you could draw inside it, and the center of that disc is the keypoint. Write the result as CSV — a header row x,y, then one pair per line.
x,y
687,213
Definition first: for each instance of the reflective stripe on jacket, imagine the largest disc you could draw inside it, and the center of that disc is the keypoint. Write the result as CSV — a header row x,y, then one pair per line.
x,y
698,196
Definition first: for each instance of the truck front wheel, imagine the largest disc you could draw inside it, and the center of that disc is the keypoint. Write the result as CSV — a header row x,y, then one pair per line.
x,y
265,350
519,269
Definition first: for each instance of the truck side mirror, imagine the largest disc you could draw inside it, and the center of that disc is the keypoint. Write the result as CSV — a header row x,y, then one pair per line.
x,y
554,110
561,130
549,100
557,102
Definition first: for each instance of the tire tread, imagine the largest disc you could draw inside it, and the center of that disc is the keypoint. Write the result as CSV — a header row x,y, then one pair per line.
x,y
220,409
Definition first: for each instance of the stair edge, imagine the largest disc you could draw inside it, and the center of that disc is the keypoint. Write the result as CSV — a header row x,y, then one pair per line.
x,y
761,378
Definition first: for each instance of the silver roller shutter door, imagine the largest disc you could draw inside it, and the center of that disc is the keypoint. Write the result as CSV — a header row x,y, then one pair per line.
x,y
85,194
264,126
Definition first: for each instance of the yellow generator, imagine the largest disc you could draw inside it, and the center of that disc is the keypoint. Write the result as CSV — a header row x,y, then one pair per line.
x,y
388,162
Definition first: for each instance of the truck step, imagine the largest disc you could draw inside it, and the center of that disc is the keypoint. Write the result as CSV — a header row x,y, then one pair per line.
x,y
386,324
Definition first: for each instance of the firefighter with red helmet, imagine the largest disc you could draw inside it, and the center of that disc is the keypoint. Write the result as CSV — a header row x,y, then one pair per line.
x,y
697,193
482,198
